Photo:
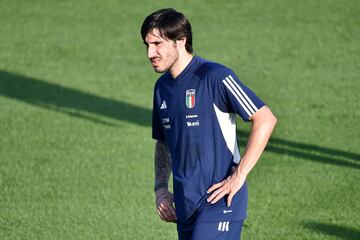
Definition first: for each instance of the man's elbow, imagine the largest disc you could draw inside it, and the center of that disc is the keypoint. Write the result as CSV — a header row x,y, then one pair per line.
x,y
273,119
265,116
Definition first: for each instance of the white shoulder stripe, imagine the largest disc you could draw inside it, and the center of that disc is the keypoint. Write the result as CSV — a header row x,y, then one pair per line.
x,y
236,96
245,95
236,89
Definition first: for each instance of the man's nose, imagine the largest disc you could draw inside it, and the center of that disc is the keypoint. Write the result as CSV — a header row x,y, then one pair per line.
x,y
151,52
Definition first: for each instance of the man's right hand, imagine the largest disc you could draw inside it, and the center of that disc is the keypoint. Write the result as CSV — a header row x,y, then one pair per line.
x,y
164,205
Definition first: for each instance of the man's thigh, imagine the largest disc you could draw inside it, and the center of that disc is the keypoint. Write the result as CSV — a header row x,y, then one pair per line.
x,y
214,231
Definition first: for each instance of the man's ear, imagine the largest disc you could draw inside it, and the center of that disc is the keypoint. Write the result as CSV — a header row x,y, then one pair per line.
x,y
181,42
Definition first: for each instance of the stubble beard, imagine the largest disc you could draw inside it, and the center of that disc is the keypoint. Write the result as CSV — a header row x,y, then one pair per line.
x,y
172,59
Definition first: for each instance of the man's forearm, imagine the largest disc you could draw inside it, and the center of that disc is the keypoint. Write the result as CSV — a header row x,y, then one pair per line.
x,y
263,122
261,130
162,165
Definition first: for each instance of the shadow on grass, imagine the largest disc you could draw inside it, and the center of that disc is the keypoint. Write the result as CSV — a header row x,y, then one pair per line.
x,y
345,233
70,101
307,151
90,107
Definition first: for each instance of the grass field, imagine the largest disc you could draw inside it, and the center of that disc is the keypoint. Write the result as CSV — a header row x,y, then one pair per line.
x,y
76,154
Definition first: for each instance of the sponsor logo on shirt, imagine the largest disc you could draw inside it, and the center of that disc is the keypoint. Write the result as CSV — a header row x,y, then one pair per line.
x,y
190,98
191,116
193,124
165,120
163,105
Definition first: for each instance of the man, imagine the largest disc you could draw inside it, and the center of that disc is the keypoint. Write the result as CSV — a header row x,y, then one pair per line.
x,y
195,106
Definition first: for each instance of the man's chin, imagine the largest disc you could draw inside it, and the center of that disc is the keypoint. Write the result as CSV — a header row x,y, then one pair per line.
x,y
159,70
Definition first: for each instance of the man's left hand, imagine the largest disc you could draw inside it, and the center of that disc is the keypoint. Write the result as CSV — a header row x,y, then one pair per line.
x,y
230,186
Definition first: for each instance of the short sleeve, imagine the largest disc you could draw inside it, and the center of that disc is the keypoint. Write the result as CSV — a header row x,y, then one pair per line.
x,y
157,130
234,96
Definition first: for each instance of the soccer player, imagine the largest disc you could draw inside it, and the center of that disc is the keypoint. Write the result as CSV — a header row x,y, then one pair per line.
x,y
195,105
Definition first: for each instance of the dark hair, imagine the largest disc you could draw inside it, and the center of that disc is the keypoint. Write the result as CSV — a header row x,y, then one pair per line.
x,y
171,24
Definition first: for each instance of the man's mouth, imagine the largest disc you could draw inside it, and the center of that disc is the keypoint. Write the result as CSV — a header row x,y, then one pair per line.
x,y
154,61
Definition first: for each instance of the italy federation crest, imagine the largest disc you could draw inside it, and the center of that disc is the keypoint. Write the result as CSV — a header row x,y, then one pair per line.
x,y
190,98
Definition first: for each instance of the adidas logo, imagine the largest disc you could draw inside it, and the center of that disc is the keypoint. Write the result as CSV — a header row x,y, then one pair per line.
x,y
223,226
163,105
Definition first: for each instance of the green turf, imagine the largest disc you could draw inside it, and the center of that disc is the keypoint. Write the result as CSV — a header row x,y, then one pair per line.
x,y
76,154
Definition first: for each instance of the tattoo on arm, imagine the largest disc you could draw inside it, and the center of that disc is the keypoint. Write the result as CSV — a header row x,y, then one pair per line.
x,y
162,165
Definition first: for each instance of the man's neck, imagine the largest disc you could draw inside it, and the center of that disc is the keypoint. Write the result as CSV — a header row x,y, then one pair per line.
x,y
181,64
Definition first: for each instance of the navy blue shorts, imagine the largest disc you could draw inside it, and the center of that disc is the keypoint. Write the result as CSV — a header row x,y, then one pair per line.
x,y
213,231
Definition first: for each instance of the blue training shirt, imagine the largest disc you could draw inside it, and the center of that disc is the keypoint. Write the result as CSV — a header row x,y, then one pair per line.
x,y
195,114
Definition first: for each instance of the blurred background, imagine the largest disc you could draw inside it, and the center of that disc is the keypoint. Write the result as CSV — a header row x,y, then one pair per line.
x,y
76,154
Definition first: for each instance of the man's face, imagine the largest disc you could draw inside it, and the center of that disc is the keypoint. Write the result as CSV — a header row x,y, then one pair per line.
x,y
161,52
